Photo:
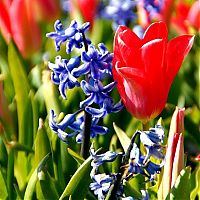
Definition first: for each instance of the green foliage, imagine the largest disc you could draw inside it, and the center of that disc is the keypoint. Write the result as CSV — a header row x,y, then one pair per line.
x,y
181,189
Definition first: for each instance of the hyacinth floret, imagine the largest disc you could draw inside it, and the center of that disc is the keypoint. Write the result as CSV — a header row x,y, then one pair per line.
x,y
101,184
61,73
107,107
153,6
120,12
73,34
99,159
96,62
75,124
95,91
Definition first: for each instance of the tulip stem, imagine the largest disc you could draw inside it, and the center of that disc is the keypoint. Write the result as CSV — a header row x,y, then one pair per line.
x,y
145,126
122,170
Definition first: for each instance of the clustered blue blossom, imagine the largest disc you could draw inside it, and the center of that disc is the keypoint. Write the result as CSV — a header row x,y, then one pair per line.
x,y
138,164
153,6
152,141
120,12
87,71
124,12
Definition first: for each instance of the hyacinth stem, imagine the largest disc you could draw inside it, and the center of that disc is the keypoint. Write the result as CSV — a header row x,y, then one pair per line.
x,y
88,120
86,135
122,171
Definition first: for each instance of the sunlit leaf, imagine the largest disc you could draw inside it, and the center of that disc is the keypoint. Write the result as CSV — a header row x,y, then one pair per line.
x,y
181,189
3,188
123,138
79,183
76,156
196,190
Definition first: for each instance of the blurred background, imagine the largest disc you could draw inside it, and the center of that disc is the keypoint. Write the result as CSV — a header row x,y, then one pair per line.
x,y
27,93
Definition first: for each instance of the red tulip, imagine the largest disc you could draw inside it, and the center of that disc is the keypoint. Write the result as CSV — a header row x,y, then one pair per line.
x,y
47,10
18,22
145,68
5,25
194,15
184,17
87,8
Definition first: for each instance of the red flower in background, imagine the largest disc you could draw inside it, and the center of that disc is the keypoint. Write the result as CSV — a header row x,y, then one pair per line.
x,y
184,17
47,10
145,68
87,8
18,21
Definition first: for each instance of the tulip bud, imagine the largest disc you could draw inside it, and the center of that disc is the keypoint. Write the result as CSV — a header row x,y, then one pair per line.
x,y
174,160
197,158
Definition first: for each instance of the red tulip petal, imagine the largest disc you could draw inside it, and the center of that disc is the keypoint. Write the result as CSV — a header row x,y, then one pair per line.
x,y
5,26
177,49
129,45
120,81
153,55
26,32
157,30
117,53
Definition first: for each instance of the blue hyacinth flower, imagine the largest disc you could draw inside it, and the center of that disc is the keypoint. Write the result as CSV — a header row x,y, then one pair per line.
x,y
101,184
95,91
107,108
120,12
99,159
74,35
59,128
61,74
96,62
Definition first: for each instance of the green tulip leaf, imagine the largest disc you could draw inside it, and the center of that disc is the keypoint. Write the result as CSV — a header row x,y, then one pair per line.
x,y
21,87
47,186
3,188
42,145
31,186
196,190
34,177
123,138
134,186
181,189
76,156
78,185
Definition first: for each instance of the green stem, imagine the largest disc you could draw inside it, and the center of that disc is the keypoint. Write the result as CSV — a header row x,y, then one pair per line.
x,y
122,171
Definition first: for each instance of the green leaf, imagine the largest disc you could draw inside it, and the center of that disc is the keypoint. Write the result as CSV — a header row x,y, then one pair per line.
x,y
196,190
31,186
19,147
181,189
34,177
76,156
47,186
21,87
134,185
42,145
3,188
123,138
79,183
